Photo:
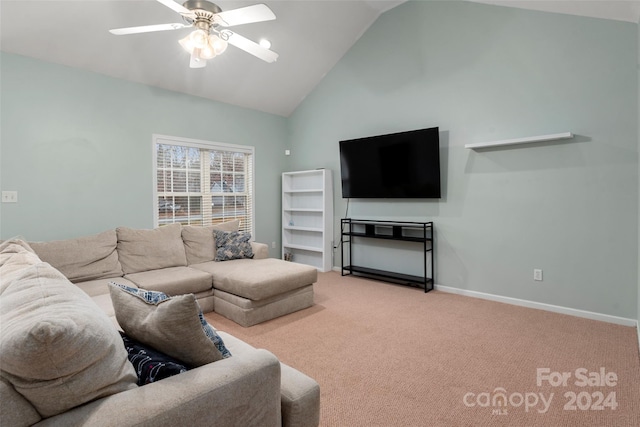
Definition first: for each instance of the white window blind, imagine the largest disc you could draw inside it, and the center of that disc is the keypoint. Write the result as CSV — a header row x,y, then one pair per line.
x,y
202,183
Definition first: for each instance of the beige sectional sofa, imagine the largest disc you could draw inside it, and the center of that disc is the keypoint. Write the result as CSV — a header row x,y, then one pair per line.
x,y
251,388
176,260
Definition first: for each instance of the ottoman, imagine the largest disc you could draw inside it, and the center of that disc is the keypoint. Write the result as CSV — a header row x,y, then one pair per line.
x,y
251,291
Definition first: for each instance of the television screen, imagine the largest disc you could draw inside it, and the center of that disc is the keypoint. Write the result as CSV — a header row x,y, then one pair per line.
x,y
398,165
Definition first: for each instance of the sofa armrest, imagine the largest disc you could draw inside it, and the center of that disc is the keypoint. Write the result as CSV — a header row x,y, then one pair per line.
x,y
242,390
260,250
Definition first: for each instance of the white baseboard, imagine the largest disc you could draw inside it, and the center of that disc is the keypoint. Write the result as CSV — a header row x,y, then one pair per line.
x,y
538,305
542,306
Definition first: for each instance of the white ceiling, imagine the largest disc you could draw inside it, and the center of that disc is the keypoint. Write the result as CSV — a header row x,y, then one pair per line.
x,y
310,37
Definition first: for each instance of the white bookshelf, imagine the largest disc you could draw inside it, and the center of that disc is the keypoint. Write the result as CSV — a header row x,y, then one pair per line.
x,y
307,217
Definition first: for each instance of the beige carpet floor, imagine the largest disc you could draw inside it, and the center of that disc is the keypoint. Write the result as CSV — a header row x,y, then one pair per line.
x,y
389,355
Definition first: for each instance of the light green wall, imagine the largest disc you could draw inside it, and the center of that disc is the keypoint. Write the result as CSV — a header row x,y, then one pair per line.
x,y
77,146
484,73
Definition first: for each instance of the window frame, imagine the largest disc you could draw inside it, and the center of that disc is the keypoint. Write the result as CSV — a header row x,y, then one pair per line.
x,y
210,146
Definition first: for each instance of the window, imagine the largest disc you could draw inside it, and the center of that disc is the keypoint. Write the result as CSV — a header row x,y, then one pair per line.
x,y
202,183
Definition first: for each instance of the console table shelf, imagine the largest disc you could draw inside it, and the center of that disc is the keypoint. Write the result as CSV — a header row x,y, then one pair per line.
x,y
412,232
383,273
383,236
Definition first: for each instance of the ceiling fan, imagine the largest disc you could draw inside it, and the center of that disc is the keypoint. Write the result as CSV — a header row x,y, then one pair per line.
x,y
210,36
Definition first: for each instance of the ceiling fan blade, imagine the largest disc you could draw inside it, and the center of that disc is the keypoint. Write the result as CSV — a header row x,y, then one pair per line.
x,y
147,29
251,47
244,15
177,7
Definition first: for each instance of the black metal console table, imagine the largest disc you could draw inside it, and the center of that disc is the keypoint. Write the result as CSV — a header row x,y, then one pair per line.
x,y
417,232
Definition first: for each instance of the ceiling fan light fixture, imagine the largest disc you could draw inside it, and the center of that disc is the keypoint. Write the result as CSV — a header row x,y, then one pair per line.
x,y
199,38
187,44
265,43
208,52
202,46
217,44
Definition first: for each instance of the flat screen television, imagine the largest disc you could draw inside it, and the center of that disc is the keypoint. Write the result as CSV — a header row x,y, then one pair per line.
x,y
397,165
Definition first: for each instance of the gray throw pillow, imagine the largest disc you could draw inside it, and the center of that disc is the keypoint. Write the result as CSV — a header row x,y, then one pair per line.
x,y
232,245
172,325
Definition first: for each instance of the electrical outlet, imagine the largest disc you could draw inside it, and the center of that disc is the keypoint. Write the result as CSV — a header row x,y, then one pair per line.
x,y
273,245
537,274
9,197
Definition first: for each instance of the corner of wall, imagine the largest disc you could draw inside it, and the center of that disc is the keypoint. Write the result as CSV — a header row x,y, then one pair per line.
x,y
638,123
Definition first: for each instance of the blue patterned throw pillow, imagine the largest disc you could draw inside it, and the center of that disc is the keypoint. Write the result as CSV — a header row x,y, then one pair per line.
x,y
232,245
150,364
152,297
155,298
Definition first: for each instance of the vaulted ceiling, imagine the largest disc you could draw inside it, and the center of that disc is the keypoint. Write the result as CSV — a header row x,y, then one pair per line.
x,y
309,36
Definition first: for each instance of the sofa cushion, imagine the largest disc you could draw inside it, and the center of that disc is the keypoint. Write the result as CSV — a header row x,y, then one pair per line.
x,y
144,250
58,349
150,364
257,279
247,312
95,288
84,258
173,325
199,242
173,280
232,245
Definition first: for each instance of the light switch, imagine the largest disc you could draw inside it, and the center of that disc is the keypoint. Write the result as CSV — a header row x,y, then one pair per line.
x,y
9,197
